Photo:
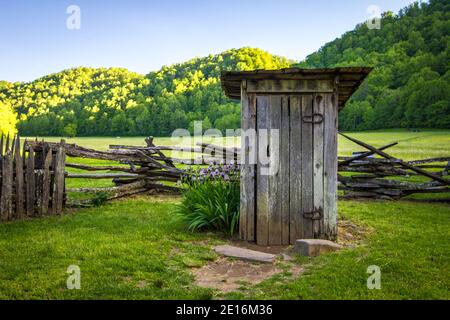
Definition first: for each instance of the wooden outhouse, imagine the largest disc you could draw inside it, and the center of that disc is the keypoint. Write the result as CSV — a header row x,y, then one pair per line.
x,y
289,117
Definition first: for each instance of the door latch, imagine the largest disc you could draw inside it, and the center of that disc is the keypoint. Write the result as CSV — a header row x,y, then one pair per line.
x,y
316,118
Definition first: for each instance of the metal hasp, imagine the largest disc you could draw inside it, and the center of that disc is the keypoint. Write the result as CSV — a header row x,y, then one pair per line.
x,y
289,189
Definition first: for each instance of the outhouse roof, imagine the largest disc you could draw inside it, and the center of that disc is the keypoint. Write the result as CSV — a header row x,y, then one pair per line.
x,y
349,79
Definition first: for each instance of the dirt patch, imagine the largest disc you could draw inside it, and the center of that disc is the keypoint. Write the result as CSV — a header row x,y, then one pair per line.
x,y
350,234
228,275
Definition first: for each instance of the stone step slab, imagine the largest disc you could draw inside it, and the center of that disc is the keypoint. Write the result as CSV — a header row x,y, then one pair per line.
x,y
314,247
245,254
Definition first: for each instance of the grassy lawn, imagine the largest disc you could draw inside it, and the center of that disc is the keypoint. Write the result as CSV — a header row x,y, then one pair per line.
x,y
138,249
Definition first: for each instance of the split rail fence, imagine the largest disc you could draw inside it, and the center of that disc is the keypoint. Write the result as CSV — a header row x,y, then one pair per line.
x,y
33,175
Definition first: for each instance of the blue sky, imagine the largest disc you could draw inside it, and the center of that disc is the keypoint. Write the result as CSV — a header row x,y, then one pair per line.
x,y
143,35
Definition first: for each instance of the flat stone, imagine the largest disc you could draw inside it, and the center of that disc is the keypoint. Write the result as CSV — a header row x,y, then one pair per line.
x,y
314,247
245,254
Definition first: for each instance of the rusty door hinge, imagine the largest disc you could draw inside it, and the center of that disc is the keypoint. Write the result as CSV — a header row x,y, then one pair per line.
x,y
317,214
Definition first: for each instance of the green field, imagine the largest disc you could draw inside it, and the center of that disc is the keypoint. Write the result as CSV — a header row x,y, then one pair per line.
x,y
412,145
138,249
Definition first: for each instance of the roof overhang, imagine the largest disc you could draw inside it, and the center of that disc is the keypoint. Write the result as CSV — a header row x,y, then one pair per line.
x,y
347,79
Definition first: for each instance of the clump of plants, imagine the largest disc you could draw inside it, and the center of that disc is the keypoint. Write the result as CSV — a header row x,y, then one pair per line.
x,y
211,198
99,198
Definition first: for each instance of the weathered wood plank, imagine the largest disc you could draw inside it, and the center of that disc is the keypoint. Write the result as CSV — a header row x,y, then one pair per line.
x,y
248,163
30,183
149,142
307,166
19,181
6,204
59,175
295,167
274,124
330,167
1,145
46,188
402,163
262,179
365,155
102,175
284,181
318,163
289,86
39,179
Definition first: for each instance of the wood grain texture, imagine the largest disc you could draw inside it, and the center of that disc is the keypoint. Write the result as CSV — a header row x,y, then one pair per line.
x,y
247,183
318,162
30,183
46,188
330,166
289,86
19,181
307,167
274,194
262,180
285,170
295,176
58,191
6,204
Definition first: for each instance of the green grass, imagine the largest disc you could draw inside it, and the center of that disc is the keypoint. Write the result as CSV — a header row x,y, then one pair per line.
x,y
130,249
409,242
137,248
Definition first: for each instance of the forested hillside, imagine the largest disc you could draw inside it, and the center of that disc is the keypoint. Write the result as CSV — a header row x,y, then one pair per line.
x,y
410,85
87,101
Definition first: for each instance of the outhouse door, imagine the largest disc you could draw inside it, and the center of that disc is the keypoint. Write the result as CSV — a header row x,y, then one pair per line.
x,y
290,192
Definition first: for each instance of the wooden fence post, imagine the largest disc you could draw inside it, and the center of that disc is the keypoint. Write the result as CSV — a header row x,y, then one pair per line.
x,y
19,180
59,179
30,183
46,181
6,204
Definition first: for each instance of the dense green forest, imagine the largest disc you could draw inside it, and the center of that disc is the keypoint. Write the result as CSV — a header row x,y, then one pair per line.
x,y
410,85
409,88
88,102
